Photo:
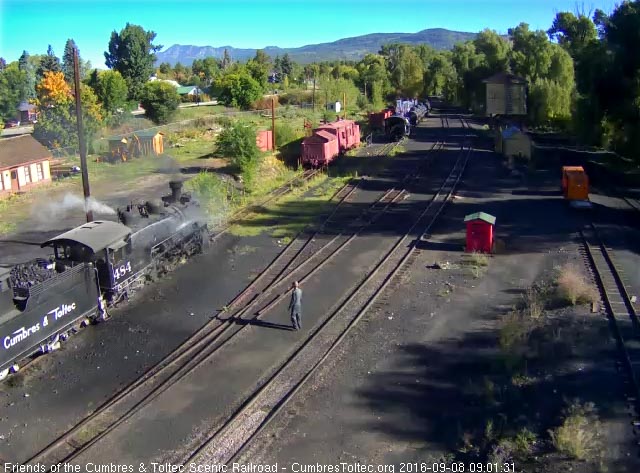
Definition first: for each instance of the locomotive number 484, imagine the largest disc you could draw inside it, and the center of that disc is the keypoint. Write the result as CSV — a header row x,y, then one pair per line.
x,y
122,270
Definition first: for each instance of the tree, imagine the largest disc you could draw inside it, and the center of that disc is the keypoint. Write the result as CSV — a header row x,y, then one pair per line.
x,y
409,73
226,60
259,72
131,53
164,68
237,142
531,56
67,60
56,126
238,90
286,65
3,64
30,82
208,69
12,89
573,33
53,90
48,63
495,50
111,90
160,101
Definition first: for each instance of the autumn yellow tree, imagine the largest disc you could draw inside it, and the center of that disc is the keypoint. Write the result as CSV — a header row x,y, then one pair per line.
x,y
53,90
56,126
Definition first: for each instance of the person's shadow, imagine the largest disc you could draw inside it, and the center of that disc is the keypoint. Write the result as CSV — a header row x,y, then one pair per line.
x,y
262,323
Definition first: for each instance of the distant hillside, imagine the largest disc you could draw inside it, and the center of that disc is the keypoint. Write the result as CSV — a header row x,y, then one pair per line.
x,y
347,49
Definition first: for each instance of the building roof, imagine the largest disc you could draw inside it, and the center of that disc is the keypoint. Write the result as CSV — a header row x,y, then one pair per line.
x,y
485,217
185,89
505,78
139,134
22,149
320,136
96,235
26,106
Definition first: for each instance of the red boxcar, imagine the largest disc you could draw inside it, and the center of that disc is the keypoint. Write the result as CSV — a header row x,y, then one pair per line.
x,y
347,133
376,120
319,149
328,141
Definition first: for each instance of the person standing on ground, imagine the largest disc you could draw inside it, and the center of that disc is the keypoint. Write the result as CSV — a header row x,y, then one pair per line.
x,y
295,306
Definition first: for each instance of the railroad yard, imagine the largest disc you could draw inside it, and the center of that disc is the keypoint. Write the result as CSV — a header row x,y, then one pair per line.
x,y
411,352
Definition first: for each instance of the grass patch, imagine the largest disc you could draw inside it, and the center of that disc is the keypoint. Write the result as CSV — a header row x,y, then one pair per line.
x,y
477,263
294,212
578,435
572,287
397,150
6,226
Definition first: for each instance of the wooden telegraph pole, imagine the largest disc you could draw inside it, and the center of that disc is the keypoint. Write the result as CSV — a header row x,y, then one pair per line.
x,y
81,140
344,99
273,123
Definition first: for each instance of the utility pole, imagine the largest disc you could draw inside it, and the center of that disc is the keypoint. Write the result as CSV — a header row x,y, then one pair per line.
x,y
314,91
344,99
81,141
273,123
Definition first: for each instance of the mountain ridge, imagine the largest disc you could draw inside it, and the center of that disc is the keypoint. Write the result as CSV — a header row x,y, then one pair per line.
x,y
353,48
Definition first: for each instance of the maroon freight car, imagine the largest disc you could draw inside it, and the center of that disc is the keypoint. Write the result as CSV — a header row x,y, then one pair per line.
x,y
328,141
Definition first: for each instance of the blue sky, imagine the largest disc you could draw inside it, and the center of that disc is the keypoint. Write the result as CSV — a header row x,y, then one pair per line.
x,y
33,24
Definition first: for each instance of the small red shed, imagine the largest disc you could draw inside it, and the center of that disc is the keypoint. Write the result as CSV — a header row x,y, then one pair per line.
x,y
264,140
480,232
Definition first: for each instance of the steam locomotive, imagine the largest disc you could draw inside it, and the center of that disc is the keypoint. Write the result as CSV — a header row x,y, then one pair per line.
x,y
93,267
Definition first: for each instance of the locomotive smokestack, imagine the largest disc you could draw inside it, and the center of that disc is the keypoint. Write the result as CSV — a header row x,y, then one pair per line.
x,y
176,190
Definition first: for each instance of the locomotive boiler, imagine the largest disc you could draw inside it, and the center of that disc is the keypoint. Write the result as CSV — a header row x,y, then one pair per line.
x,y
93,267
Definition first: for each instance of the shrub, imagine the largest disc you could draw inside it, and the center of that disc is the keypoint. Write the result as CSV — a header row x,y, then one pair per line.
x,y
577,437
160,101
573,287
533,306
285,134
265,103
237,142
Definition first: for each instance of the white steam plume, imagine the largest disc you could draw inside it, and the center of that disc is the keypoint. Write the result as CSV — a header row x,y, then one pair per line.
x,y
71,202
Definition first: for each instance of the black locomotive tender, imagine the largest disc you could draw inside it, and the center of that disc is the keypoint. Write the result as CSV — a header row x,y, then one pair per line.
x,y
93,267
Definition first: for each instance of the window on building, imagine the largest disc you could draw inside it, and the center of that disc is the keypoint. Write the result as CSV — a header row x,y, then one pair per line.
x,y
27,174
40,172
14,174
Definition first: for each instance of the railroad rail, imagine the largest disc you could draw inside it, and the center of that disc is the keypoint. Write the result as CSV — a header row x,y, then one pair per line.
x,y
275,194
228,441
300,253
620,310
207,342
68,444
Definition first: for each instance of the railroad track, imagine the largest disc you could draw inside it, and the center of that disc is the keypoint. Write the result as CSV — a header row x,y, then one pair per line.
x,y
620,311
164,372
284,189
300,253
228,441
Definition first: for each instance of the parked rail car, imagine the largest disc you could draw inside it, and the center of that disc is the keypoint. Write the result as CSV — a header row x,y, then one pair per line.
x,y
328,141
92,267
396,127
417,114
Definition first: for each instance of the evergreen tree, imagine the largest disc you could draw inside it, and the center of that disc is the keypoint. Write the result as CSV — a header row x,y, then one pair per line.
x,y
67,60
30,75
131,53
48,63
